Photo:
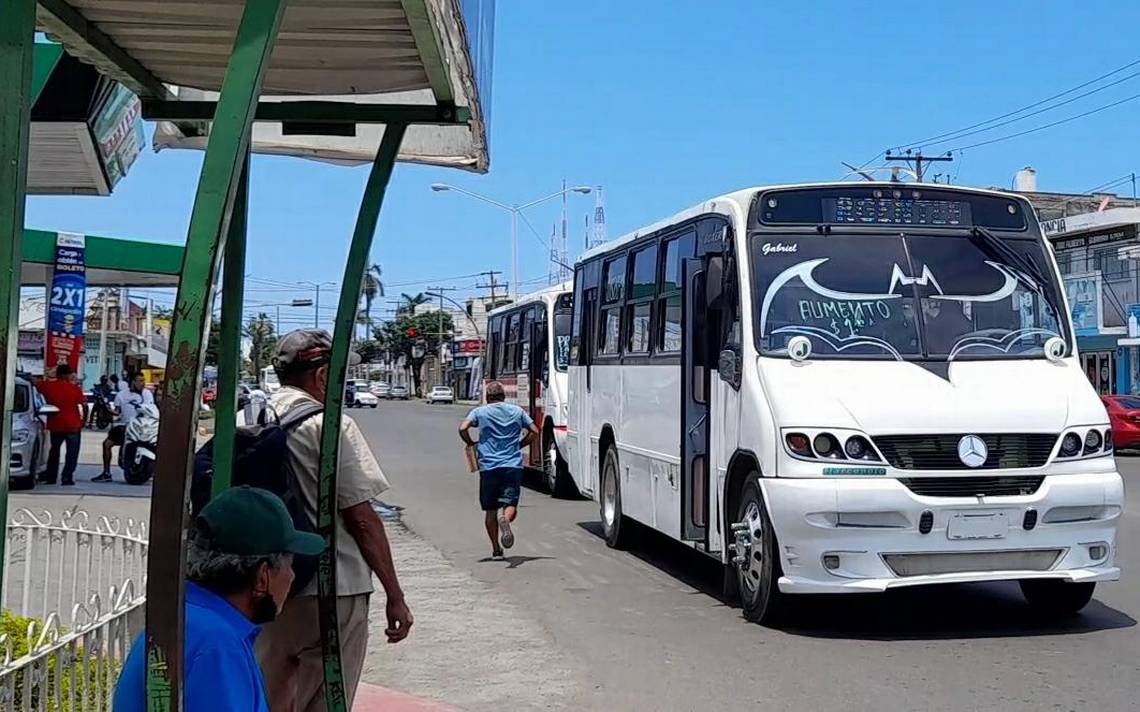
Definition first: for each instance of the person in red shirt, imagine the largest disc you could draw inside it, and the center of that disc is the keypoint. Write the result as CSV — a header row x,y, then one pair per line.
x,y
66,426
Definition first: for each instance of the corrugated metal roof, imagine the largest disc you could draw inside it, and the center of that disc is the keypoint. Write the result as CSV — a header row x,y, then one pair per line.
x,y
323,47
62,160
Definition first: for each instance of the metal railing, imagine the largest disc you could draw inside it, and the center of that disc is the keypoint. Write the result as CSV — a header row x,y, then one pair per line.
x,y
74,602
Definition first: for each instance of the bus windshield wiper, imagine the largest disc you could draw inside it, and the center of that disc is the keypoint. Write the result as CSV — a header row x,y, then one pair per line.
x,y
996,248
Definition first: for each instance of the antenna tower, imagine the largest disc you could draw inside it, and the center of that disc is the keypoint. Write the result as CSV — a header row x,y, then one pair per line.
x,y
598,231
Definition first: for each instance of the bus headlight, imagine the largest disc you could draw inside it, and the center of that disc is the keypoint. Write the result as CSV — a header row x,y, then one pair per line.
x,y
1085,442
819,445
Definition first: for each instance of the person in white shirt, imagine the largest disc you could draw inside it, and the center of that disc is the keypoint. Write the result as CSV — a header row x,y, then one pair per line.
x,y
125,405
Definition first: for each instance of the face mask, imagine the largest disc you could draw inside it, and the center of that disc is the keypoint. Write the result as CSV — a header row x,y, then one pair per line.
x,y
264,610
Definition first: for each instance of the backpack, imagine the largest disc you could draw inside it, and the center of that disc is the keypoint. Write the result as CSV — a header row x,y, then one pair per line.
x,y
261,459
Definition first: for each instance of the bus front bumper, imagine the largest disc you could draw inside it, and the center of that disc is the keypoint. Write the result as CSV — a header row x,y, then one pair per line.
x,y
849,535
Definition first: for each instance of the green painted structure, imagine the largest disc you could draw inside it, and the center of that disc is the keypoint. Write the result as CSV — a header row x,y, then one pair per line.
x,y
433,87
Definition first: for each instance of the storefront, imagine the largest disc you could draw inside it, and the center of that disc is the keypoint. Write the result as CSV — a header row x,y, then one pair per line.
x,y
1097,255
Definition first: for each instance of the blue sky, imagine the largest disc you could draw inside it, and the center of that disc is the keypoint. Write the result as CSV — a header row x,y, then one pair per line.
x,y
668,103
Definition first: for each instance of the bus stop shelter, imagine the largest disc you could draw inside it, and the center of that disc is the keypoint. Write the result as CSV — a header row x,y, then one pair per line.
x,y
379,80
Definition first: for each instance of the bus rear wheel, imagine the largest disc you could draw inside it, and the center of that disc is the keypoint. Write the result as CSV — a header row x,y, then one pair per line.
x,y
614,525
757,558
1054,598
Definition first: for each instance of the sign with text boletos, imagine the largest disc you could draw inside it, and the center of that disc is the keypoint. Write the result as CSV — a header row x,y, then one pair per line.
x,y
66,303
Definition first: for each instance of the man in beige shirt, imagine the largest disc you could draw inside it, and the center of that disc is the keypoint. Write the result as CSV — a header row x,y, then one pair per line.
x,y
289,649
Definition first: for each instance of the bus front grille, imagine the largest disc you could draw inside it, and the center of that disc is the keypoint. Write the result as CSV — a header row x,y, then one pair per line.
x,y
973,485
940,452
971,561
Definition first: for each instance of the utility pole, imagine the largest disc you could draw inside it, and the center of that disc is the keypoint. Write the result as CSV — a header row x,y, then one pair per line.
x,y
917,159
491,274
439,343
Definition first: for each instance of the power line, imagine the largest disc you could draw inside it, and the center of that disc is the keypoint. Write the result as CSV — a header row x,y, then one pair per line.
x,y
1018,111
1047,126
964,133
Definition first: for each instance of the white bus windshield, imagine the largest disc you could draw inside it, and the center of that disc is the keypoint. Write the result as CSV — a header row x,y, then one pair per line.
x,y
940,297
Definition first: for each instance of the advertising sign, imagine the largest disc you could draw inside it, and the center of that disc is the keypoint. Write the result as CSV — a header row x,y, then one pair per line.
x,y
67,304
1083,292
118,130
30,343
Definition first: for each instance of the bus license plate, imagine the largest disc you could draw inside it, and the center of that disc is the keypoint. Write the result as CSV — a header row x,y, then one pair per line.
x,y
977,525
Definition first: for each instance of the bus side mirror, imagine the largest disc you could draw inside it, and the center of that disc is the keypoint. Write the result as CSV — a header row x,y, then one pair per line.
x,y
728,368
714,281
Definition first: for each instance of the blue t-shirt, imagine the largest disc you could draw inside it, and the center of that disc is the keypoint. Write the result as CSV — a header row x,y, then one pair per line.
x,y
221,670
501,426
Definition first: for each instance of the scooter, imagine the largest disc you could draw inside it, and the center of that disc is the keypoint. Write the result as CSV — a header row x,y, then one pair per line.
x,y
140,445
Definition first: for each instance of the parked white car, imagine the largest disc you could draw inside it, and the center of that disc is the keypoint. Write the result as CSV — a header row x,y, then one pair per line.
x,y
29,435
380,389
362,397
441,394
399,392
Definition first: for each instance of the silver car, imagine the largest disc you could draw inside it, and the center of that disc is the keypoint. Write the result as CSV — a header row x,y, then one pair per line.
x,y
29,436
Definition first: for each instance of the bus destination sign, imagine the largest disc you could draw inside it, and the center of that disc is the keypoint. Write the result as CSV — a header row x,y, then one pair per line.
x,y
895,211
871,206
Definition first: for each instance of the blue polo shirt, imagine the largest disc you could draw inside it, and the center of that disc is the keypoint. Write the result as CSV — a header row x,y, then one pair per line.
x,y
501,426
221,671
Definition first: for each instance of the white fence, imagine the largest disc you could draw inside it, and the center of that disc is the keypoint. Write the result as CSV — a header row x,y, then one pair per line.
x,y
74,596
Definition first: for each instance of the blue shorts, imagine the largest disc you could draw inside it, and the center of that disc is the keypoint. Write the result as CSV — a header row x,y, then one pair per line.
x,y
499,488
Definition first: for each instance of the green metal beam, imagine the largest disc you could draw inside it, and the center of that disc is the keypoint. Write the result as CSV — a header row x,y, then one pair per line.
x,y
47,57
61,20
17,37
229,350
342,112
209,224
109,253
430,51
327,515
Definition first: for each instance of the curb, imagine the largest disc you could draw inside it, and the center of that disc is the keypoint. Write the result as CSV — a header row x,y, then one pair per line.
x,y
373,698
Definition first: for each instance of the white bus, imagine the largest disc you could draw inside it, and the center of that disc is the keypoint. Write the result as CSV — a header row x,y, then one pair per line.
x,y
845,388
528,349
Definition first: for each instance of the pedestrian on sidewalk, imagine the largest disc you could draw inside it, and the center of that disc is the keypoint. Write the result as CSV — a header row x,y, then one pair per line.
x,y
499,448
239,568
66,426
290,648
126,407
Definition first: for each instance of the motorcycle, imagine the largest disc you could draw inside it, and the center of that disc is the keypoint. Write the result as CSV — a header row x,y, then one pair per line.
x,y
140,445
101,411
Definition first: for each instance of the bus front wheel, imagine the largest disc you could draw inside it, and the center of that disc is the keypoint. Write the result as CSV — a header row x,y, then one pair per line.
x,y
614,525
1054,598
757,558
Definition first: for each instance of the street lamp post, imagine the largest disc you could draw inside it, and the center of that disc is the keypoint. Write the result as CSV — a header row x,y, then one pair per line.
x,y
514,210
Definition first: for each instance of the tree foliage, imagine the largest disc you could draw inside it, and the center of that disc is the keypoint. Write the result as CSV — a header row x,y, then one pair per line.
x,y
398,336
263,341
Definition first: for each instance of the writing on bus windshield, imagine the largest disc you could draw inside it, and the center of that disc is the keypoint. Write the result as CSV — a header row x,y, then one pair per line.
x,y
901,297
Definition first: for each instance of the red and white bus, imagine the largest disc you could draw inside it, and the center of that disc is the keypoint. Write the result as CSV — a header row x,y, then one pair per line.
x,y
528,351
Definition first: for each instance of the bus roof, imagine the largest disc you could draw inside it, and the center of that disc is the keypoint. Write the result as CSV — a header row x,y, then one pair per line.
x,y
545,295
738,201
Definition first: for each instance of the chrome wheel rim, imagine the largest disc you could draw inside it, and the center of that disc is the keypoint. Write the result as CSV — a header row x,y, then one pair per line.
x,y
549,464
609,496
751,567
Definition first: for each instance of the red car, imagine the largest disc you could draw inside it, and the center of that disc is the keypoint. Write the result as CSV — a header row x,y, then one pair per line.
x,y
1124,415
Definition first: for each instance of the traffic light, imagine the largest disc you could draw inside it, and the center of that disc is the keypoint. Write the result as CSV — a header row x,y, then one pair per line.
x,y
412,333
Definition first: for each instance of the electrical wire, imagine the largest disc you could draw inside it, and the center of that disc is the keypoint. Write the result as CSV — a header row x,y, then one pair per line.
x,y
928,140
1046,126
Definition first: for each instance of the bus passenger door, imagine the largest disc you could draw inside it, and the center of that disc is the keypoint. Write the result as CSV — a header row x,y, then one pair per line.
x,y
694,404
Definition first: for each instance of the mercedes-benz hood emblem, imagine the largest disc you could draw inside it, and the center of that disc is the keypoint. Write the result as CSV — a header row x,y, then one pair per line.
x,y
972,451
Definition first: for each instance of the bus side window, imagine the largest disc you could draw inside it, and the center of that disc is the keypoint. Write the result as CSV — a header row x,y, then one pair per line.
x,y
492,346
576,325
668,333
522,355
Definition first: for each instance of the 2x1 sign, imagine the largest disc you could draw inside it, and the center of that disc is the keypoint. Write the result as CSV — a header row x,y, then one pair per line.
x,y
67,304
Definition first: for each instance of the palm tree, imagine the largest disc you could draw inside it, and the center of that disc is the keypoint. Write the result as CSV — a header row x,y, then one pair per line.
x,y
263,342
371,287
409,303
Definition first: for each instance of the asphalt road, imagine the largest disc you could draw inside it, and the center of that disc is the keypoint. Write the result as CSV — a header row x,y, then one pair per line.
x,y
645,629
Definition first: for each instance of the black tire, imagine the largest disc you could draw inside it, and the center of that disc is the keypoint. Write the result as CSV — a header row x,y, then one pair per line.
x,y
615,526
29,481
1054,598
757,583
555,471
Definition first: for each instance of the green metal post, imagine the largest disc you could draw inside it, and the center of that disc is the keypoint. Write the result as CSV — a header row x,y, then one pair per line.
x,y
229,350
17,37
358,253
209,223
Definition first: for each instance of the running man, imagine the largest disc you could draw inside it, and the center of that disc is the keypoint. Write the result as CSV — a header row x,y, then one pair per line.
x,y
500,461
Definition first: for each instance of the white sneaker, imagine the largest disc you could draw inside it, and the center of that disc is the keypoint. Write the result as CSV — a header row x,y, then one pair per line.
x,y
505,534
